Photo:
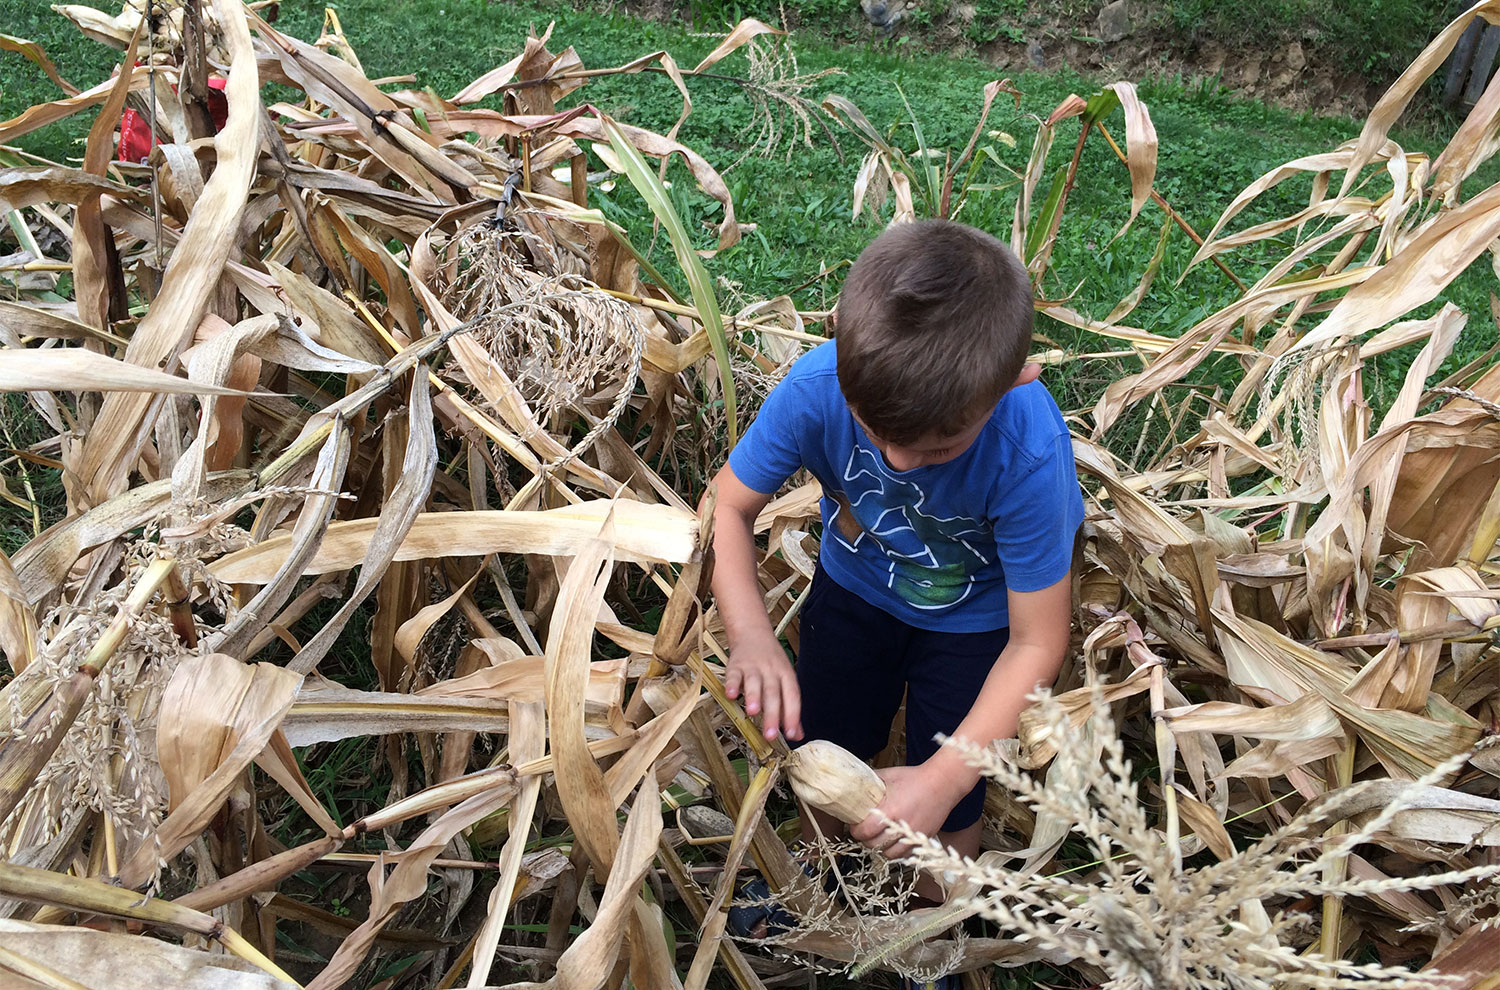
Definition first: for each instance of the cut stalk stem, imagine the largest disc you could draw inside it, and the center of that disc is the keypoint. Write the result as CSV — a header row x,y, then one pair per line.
x,y
1457,630
92,897
151,581
1341,771
1166,753
111,845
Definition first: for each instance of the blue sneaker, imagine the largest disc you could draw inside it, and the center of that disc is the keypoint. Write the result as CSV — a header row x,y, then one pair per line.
x,y
758,915
948,982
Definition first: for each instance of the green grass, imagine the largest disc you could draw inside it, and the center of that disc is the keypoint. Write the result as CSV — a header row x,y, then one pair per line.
x,y
20,428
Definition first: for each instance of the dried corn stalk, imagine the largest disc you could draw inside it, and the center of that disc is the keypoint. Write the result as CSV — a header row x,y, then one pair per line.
x,y
375,344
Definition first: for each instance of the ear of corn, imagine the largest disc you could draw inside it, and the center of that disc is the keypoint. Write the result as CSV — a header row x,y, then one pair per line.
x,y
832,779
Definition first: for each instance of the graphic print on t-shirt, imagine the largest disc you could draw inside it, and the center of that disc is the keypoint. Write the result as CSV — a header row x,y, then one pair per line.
x,y
931,564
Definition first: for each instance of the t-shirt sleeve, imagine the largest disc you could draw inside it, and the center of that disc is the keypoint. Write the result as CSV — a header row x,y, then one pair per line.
x,y
771,449
1038,518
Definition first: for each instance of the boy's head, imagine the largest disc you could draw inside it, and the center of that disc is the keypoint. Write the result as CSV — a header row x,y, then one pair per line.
x,y
933,325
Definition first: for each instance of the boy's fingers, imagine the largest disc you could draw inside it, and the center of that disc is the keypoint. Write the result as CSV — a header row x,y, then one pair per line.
x,y
867,830
752,693
732,681
791,699
888,843
770,722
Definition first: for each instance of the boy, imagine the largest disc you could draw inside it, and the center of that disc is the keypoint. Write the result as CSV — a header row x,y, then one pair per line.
x,y
949,508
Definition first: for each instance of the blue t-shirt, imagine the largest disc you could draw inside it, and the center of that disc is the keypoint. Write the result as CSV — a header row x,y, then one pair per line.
x,y
938,545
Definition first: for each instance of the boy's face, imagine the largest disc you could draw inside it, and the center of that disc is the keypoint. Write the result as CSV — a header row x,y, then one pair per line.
x,y
939,447
931,448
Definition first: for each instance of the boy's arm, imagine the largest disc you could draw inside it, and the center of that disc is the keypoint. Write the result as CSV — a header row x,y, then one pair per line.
x,y
922,796
758,666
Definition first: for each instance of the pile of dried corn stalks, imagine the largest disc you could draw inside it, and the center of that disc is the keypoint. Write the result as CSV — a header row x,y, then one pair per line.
x,y
375,347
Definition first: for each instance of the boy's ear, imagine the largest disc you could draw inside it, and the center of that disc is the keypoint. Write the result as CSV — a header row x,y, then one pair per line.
x,y
1030,372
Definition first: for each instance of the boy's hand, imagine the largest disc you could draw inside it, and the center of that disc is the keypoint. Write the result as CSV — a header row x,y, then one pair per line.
x,y
922,796
769,684
916,795
757,666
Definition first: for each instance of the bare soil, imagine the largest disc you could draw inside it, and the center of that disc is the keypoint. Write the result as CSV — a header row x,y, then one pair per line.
x,y
1288,77
1292,74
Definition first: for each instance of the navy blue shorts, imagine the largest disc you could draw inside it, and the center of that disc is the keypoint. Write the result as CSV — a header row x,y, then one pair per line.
x,y
857,661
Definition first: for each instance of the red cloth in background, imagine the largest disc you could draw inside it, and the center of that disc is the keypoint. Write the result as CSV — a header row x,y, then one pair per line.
x,y
136,139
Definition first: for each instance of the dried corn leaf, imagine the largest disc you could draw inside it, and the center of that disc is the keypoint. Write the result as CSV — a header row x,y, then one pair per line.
x,y
401,509
280,764
528,741
1309,717
524,680
409,635
297,547
128,962
18,627
1464,590
325,714
35,53
210,705
1389,107
543,65
43,563
1409,745
1428,814
31,186
1206,824
586,963
752,813
1140,147
79,370
408,880
1429,259
580,782
125,420
50,113
742,32
646,533
1469,960
217,716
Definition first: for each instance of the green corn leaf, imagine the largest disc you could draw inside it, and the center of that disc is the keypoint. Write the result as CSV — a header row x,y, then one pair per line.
x,y
707,304
1100,105
1044,221
932,175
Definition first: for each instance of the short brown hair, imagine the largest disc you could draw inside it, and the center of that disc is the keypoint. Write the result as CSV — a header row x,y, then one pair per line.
x,y
933,325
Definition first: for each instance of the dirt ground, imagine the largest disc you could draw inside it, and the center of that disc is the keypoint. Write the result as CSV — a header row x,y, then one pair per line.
x,y
1288,74
1287,77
